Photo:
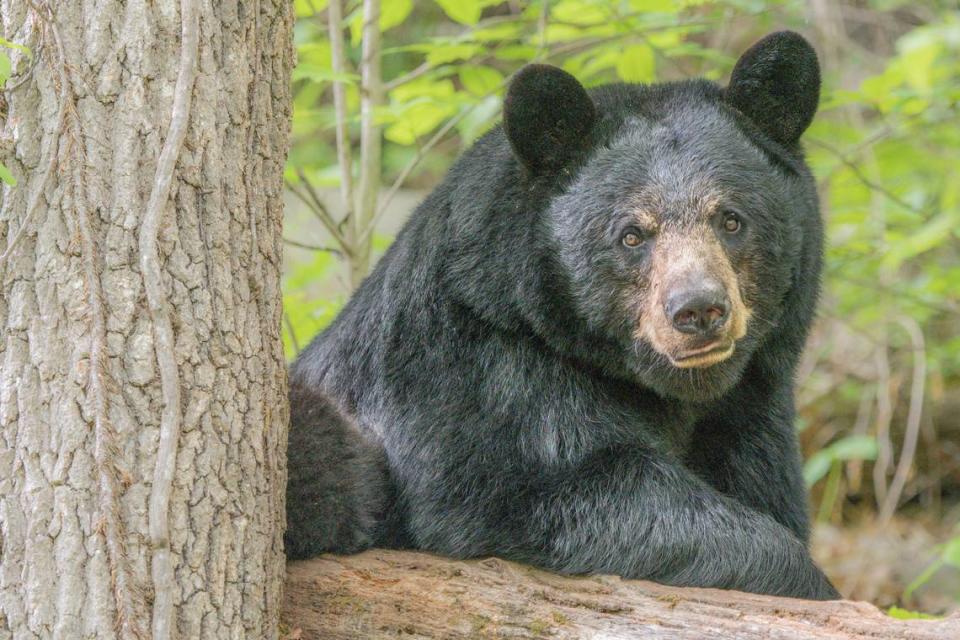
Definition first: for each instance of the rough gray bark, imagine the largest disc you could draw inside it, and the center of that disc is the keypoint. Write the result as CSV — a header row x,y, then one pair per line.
x,y
393,594
142,378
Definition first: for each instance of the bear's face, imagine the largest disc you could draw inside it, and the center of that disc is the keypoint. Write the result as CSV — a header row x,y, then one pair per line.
x,y
679,237
678,232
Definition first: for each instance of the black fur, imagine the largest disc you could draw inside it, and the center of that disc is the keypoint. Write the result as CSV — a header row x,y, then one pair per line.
x,y
547,116
338,487
489,357
776,83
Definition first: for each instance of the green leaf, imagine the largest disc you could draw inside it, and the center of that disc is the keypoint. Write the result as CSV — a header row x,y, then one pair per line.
x,y
584,12
418,120
480,80
307,8
514,52
816,467
19,47
637,64
849,448
906,614
462,11
5,68
441,53
951,552
6,176
854,448
321,74
394,12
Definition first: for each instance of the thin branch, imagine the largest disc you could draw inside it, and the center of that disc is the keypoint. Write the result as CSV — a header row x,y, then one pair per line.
x,y
914,413
317,200
339,63
884,418
312,247
170,421
371,96
858,173
416,159
293,334
321,213
26,75
426,67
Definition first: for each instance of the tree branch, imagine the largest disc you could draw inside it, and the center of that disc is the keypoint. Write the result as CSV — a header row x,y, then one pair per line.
x,y
171,417
415,160
393,593
371,96
312,247
316,207
339,63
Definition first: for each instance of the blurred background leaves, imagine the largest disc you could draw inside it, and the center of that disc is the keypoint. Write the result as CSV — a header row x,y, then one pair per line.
x,y
879,387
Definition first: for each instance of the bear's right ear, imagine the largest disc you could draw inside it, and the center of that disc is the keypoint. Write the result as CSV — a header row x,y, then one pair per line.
x,y
547,116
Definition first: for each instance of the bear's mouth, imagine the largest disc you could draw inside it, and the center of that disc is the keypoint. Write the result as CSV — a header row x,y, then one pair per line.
x,y
706,356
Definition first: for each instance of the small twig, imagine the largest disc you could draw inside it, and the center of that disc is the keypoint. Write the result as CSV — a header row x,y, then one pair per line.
x,y
26,75
884,417
542,28
312,247
417,158
317,200
319,212
293,334
914,413
424,68
170,421
858,174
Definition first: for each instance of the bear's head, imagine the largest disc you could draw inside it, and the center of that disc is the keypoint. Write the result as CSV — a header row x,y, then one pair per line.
x,y
684,211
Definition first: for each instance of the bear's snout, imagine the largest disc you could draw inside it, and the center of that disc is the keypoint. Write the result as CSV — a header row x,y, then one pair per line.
x,y
701,310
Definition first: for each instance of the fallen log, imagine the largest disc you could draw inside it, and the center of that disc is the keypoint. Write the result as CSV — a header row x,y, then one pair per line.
x,y
390,594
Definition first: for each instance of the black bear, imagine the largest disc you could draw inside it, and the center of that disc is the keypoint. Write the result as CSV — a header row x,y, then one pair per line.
x,y
579,352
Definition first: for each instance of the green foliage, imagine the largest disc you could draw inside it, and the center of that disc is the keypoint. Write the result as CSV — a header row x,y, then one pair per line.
x,y
849,448
306,310
949,557
906,614
6,69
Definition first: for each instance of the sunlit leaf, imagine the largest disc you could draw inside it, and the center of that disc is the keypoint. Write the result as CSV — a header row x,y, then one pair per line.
x,y
637,64
480,80
462,11
5,68
7,177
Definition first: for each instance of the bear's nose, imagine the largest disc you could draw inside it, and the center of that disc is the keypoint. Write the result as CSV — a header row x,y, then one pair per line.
x,y
701,312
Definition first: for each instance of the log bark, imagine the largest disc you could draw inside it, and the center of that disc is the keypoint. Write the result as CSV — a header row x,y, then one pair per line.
x,y
143,402
389,594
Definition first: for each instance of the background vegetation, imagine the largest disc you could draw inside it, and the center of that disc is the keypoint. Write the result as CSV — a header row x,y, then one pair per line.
x,y
879,392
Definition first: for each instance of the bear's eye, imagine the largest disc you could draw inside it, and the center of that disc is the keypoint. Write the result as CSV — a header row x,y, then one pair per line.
x,y
731,222
632,238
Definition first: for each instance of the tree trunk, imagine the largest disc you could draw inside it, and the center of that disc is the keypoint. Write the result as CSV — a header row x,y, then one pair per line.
x,y
388,594
142,379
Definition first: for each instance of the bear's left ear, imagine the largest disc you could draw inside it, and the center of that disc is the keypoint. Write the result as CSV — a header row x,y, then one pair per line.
x,y
547,116
776,84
